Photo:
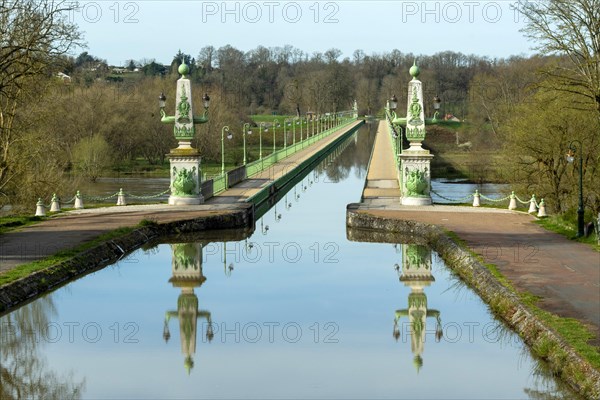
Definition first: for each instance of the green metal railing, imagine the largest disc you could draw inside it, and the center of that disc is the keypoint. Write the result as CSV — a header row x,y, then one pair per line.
x,y
255,167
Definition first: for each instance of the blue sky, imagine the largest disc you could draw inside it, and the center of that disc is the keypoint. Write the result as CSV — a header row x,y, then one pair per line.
x,y
156,29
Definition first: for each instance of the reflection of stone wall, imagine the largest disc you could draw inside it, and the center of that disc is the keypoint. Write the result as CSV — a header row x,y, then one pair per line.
x,y
107,253
573,369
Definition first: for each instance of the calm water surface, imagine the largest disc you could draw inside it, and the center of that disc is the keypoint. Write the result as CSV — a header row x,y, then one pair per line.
x,y
294,311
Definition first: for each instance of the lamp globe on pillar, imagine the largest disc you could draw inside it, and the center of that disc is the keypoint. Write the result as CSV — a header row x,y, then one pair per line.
x,y
437,103
393,103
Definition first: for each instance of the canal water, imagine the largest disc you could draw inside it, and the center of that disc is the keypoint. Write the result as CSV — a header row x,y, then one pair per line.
x,y
295,310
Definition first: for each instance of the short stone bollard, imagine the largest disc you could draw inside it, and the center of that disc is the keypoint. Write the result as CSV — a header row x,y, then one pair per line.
x,y
55,205
40,209
532,205
476,199
121,198
542,210
78,201
513,202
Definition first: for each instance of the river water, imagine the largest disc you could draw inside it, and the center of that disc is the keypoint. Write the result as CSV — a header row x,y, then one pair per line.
x,y
296,310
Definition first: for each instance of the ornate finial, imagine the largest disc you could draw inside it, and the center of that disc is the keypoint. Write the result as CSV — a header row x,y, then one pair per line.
x,y
183,70
418,363
415,71
188,364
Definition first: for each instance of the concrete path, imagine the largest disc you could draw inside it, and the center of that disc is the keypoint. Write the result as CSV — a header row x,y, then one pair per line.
x,y
382,187
73,228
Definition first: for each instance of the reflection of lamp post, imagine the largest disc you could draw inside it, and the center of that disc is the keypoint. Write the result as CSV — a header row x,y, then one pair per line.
x,y
229,136
570,158
226,268
277,216
244,133
263,229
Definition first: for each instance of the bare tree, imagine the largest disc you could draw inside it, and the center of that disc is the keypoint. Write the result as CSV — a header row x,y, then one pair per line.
x,y
34,37
570,28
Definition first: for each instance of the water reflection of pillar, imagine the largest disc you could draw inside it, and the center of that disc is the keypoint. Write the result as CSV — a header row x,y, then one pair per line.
x,y
187,274
416,273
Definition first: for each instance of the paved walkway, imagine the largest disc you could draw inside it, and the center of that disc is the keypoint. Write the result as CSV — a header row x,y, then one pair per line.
x,y
381,187
73,228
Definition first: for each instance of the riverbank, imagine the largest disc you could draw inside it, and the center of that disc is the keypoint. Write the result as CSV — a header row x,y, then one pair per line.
x,y
533,261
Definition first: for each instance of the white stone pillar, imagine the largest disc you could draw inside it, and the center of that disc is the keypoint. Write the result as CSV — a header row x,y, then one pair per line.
x,y
40,209
78,201
55,205
476,199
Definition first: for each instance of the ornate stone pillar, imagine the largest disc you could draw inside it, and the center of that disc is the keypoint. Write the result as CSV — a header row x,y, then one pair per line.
x,y
415,161
185,171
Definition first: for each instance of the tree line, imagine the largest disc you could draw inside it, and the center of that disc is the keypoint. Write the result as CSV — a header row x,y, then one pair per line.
x,y
527,108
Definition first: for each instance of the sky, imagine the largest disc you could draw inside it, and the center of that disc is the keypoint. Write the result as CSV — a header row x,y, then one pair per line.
x,y
156,29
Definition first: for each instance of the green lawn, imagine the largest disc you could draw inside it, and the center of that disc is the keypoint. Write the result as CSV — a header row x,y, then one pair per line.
x,y
269,118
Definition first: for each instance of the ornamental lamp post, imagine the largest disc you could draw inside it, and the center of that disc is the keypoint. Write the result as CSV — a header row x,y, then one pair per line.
x,y
570,159
244,133
393,103
229,136
275,124
286,123
184,160
437,103
260,131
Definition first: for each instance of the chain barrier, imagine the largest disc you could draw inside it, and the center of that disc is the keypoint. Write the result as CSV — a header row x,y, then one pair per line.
x,y
494,200
72,200
462,200
521,201
153,196
99,198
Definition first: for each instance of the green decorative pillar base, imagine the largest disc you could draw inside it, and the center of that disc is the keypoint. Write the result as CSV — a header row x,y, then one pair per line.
x,y
185,177
416,177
